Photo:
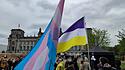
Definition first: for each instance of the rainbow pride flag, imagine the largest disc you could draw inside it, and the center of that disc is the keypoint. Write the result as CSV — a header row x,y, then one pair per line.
x,y
43,55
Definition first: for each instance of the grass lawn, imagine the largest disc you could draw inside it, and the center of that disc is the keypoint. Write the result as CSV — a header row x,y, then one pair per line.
x,y
123,65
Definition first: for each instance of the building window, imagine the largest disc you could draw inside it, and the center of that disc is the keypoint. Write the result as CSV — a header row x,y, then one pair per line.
x,y
31,47
31,42
24,48
20,48
75,48
13,43
28,42
9,40
80,48
12,48
24,42
27,48
20,43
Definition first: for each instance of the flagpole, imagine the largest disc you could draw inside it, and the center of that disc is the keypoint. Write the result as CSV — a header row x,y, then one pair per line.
x,y
87,45
88,52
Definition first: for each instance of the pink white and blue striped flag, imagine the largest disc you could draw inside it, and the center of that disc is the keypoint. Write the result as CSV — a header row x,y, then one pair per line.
x,y
43,55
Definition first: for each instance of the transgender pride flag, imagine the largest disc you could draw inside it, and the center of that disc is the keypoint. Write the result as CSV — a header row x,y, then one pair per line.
x,y
43,55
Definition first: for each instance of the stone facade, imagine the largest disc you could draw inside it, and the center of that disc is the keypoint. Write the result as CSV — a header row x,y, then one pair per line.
x,y
18,43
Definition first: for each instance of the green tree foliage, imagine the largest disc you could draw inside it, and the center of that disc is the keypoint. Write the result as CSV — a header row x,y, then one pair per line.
x,y
121,41
99,38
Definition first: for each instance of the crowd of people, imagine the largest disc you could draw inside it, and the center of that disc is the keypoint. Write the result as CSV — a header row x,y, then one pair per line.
x,y
8,63
82,63
72,63
66,63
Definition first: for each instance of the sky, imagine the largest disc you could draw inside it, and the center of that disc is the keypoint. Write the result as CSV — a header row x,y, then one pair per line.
x,y
33,14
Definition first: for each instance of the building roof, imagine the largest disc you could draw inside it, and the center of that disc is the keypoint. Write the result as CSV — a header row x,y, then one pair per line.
x,y
29,37
17,30
98,49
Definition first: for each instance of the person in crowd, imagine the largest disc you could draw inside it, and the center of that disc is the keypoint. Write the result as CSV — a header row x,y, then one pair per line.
x,y
13,62
103,64
106,65
57,61
93,60
69,65
17,60
81,65
0,64
86,64
55,65
4,63
75,63
9,64
79,60
61,65
118,64
100,64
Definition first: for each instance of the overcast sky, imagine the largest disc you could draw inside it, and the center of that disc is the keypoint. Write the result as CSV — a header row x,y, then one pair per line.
x,y
33,14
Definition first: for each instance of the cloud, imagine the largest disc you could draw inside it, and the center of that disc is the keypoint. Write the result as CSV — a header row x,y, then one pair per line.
x,y
46,5
3,35
18,2
103,14
33,14
3,47
35,28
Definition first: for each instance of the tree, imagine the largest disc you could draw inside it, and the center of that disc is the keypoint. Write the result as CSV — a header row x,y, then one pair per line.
x,y
121,41
120,47
99,38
